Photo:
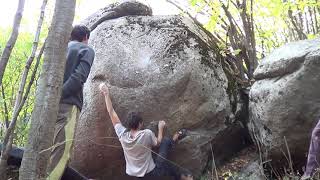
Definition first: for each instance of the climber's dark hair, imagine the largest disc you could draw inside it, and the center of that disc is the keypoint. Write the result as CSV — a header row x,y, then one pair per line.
x,y
79,33
133,120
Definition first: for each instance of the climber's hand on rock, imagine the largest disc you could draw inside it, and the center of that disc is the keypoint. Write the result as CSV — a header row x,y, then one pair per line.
x,y
104,88
161,124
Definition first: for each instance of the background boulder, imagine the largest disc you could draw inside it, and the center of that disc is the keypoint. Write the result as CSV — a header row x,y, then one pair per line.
x,y
285,99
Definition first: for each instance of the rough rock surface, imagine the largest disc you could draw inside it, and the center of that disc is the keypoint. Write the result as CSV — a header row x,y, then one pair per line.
x,y
253,171
162,67
285,99
116,10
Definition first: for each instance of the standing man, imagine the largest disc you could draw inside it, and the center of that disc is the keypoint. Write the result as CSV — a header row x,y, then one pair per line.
x,y
79,60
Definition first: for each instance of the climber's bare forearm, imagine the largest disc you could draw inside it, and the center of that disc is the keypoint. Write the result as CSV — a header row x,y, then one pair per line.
x,y
113,115
160,136
161,126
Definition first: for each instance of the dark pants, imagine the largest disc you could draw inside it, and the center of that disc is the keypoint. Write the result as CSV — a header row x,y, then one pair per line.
x,y
164,168
70,173
314,151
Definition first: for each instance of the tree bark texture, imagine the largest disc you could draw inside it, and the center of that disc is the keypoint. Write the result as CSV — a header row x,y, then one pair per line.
x,y
34,163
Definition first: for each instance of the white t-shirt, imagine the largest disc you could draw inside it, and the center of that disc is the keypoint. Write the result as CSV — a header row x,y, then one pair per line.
x,y
137,150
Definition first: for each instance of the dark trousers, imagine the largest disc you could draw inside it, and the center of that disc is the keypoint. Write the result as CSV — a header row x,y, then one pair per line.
x,y
70,173
314,151
164,168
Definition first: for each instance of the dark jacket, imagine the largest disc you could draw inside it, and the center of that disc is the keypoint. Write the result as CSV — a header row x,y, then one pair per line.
x,y
79,60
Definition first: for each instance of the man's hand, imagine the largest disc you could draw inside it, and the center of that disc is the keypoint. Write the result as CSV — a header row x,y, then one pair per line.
x,y
104,89
161,124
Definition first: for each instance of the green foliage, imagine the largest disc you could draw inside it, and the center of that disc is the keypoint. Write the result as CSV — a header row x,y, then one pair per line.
x,y
11,80
272,24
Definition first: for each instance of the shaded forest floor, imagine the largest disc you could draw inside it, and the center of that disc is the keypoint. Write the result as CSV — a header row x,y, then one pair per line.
x,y
233,167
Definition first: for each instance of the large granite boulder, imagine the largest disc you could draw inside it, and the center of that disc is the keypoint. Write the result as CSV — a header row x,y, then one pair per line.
x,y
162,67
285,99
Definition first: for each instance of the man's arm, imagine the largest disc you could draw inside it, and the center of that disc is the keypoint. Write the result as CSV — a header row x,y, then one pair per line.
x,y
161,126
113,115
76,80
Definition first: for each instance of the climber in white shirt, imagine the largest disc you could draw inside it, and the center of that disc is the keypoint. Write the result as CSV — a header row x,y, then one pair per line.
x,y
137,143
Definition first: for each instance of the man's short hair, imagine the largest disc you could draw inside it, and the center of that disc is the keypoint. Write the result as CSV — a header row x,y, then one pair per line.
x,y
133,120
79,33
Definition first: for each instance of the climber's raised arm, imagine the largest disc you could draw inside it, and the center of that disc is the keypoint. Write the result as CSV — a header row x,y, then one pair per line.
x,y
113,115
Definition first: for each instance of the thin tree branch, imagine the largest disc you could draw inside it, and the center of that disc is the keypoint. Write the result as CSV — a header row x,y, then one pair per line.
x,y
6,112
20,99
300,33
191,17
12,40
313,21
18,102
315,18
300,18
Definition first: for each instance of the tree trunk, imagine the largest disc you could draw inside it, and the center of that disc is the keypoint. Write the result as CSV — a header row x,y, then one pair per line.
x,y
34,163
12,40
